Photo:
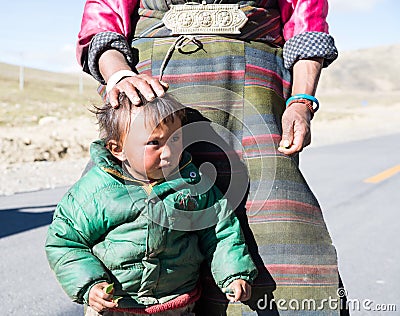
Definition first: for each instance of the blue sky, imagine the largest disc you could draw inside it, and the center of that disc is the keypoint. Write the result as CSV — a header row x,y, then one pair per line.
x,y
42,33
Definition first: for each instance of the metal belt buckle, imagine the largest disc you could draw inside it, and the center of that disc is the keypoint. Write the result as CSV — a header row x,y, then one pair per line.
x,y
196,18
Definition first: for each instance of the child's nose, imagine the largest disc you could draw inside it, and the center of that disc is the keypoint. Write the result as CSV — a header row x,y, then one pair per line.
x,y
166,153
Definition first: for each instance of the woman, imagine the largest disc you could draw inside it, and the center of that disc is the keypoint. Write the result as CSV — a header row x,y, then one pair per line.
x,y
238,81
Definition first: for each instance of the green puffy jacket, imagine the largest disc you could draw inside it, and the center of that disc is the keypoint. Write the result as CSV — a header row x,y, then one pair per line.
x,y
148,239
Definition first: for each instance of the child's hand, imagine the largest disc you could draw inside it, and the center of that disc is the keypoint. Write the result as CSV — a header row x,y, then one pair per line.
x,y
99,300
241,291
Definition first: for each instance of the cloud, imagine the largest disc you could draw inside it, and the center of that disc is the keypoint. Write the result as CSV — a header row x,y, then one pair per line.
x,y
354,5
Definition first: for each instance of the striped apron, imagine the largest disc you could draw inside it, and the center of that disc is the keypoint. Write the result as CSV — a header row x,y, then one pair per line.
x,y
237,87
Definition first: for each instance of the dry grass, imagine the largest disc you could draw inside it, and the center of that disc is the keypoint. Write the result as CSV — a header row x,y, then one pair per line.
x,y
44,94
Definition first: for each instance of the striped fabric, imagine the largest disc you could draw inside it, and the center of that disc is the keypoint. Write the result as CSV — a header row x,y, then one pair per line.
x,y
241,87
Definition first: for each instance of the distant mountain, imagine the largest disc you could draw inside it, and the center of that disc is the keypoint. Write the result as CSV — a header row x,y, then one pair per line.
x,y
367,70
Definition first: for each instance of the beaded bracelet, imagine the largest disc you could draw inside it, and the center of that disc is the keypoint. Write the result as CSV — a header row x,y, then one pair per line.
x,y
297,97
308,103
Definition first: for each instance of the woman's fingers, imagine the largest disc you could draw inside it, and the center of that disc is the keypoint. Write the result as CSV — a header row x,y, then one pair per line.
x,y
136,87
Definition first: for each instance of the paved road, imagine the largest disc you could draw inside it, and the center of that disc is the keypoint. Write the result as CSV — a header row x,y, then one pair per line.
x,y
27,284
362,218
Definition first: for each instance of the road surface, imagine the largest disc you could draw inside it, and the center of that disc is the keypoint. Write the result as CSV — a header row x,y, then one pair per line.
x,y
357,185
362,217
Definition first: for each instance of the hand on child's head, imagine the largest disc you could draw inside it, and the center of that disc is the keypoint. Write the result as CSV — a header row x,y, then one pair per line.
x,y
139,89
99,300
241,291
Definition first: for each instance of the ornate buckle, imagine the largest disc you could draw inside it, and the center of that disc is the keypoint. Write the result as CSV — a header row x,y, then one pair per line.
x,y
195,18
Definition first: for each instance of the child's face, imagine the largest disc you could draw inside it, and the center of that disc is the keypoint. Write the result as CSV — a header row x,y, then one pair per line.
x,y
152,153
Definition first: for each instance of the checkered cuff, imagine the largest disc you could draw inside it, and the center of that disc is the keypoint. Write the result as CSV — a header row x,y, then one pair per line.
x,y
100,43
309,45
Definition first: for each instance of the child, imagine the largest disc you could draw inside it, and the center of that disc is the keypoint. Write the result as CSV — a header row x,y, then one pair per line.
x,y
141,220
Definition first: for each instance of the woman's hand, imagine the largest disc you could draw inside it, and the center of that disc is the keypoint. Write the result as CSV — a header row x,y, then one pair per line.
x,y
148,87
112,61
241,291
99,300
296,132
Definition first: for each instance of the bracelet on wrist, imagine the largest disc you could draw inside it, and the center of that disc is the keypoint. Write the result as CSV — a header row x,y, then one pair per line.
x,y
308,103
302,96
117,77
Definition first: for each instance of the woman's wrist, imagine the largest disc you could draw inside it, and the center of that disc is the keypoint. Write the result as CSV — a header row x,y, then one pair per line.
x,y
306,75
101,45
110,62
117,77
310,101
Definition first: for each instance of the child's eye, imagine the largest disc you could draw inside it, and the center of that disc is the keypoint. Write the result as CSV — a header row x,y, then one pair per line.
x,y
175,138
153,143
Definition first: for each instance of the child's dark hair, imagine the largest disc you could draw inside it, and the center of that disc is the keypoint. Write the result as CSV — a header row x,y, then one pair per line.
x,y
114,122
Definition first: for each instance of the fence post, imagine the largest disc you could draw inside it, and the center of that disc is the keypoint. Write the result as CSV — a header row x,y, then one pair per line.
x,y
81,83
21,77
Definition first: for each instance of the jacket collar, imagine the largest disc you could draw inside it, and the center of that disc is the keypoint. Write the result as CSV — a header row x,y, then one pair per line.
x,y
103,159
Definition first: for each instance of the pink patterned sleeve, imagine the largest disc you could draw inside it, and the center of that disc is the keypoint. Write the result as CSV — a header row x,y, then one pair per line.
x,y
299,16
103,16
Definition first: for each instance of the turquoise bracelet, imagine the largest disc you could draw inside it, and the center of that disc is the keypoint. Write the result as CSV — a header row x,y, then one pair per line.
x,y
311,98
